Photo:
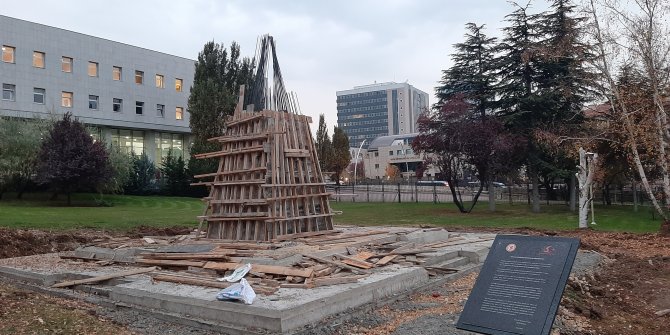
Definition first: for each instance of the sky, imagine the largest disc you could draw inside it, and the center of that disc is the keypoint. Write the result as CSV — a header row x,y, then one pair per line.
x,y
322,46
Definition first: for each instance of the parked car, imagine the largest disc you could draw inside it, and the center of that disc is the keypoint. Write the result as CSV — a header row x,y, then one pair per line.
x,y
432,183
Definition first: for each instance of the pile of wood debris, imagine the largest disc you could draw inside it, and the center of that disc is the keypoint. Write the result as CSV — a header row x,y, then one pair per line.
x,y
351,255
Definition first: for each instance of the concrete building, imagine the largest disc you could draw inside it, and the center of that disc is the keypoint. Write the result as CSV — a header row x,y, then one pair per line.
x,y
131,97
393,150
370,111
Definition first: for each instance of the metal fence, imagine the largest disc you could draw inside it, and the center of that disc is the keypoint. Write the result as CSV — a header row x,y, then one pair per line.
x,y
411,192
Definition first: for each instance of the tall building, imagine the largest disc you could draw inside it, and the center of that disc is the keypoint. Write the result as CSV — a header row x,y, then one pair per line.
x,y
370,111
131,97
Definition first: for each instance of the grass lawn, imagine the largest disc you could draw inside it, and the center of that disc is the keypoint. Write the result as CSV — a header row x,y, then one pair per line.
x,y
127,212
608,218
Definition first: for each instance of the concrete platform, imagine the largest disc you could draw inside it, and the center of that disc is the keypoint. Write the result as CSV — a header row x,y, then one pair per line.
x,y
283,312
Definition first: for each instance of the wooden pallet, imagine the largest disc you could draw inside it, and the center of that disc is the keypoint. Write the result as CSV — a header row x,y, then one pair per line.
x,y
268,183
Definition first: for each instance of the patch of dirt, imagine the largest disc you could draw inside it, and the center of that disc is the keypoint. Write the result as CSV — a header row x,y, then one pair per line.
x,y
142,231
20,242
24,312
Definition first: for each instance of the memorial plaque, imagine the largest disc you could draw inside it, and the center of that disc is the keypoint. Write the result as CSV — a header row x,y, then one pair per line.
x,y
520,285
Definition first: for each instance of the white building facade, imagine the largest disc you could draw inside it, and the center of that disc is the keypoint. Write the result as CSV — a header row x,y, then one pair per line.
x,y
131,97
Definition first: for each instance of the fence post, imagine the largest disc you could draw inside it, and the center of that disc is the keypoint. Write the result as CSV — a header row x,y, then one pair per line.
x,y
434,193
368,191
353,191
383,194
399,201
416,192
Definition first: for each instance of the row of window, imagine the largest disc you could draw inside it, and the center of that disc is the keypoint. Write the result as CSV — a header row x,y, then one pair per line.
x,y
67,101
361,102
400,152
360,116
358,123
67,65
365,130
358,95
361,109
132,141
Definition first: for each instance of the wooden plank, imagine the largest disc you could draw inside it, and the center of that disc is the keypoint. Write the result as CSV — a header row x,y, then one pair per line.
x,y
273,269
208,282
347,236
364,255
103,278
305,234
221,254
386,259
168,262
224,153
354,262
337,264
239,182
336,280
229,172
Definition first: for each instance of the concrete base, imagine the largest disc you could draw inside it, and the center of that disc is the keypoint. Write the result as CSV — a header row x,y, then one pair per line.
x,y
286,311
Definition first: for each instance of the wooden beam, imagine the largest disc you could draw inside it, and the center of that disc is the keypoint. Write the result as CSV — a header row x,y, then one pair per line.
x,y
386,259
273,269
336,280
305,234
103,278
169,262
337,264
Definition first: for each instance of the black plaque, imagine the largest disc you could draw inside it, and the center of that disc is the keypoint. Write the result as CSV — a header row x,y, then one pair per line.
x,y
520,285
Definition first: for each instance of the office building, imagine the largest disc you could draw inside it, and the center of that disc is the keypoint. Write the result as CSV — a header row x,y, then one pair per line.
x,y
370,111
131,97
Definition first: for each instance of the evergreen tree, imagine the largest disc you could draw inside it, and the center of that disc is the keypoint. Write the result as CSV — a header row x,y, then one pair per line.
x,y
142,180
522,107
175,177
472,74
70,160
341,154
218,76
324,147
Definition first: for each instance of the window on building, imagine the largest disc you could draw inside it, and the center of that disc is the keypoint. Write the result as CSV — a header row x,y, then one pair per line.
x,y
390,152
66,64
9,92
38,95
117,105
116,73
166,143
93,102
92,69
139,107
139,77
179,113
66,99
409,152
178,84
399,152
160,110
38,59
376,153
128,141
160,83
8,54
376,166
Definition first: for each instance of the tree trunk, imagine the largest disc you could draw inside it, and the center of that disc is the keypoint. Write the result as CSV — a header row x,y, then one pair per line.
x,y
607,196
69,200
535,192
573,193
492,197
585,179
635,199
665,228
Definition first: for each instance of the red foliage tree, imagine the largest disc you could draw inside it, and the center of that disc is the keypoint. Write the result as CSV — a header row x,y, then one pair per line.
x,y
456,138
70,160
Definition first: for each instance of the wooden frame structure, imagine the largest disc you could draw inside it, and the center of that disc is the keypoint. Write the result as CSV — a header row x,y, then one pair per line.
x,y
268,182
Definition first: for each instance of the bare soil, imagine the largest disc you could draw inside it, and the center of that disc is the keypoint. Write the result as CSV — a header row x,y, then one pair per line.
x,y
620,298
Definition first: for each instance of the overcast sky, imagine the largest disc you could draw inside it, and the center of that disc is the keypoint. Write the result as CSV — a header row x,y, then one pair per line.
x,y
323,46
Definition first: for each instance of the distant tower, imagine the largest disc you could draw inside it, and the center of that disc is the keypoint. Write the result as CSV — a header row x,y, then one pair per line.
x,y
370,111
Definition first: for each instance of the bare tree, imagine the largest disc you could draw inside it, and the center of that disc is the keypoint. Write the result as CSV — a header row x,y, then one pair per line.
x,y
634,35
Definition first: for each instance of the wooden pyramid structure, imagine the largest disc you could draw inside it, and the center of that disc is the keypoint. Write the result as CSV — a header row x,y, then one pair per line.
x,y
268,182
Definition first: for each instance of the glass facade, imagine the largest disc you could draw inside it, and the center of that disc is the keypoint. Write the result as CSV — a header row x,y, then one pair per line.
x,y
169,141
363,116
128,141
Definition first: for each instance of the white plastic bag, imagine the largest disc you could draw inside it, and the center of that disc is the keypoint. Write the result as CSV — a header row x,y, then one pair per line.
x,y
239,291
238,274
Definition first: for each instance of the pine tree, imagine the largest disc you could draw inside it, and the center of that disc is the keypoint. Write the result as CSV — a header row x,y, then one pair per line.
x,y
472,73
341,154
324,147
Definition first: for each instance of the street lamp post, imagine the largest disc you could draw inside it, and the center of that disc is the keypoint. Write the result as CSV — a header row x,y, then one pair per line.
x,y
356,164
590,156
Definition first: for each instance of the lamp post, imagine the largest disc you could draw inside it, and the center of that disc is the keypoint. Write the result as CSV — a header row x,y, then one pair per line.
x,y
589,156
356,163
